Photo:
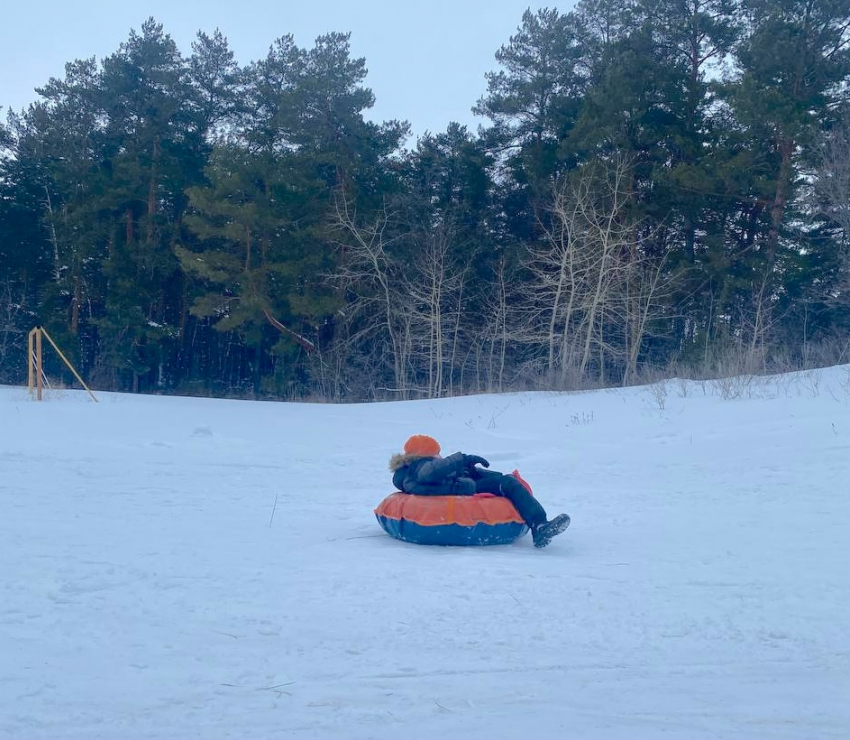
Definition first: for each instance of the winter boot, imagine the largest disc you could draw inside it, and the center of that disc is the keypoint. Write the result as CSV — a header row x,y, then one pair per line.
x,y
542,534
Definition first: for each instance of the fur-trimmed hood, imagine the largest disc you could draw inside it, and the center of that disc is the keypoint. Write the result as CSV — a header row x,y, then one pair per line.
x,y
400,459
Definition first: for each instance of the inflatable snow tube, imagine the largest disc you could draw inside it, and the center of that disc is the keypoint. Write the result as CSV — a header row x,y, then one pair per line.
x,y
481,519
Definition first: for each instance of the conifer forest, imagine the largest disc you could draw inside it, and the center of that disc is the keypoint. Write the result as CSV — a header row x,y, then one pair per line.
x,y
658,188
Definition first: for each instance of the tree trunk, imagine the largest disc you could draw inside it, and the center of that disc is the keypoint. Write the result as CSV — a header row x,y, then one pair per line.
x,y
780,198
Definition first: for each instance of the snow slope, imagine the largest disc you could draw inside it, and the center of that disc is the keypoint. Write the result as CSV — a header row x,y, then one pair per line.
x,y
186,568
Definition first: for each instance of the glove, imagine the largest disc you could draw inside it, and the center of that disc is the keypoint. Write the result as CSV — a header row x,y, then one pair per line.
x,y
473,460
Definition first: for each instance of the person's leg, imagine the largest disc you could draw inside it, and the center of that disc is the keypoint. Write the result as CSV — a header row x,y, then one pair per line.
x,y
529,508
543,533
478,474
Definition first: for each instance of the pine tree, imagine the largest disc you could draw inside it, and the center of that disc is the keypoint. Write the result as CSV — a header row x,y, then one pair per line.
x,y
534,101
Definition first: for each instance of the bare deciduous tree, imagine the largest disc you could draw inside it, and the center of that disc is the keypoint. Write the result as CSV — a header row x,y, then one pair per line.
x,y
495,337
435,288
12,333
408,297
593,290
832,178
377,310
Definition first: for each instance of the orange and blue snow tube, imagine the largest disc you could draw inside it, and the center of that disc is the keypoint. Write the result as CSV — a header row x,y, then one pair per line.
x,y
480,519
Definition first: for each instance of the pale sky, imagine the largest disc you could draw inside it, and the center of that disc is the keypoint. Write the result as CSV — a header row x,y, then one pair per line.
x,y
426,60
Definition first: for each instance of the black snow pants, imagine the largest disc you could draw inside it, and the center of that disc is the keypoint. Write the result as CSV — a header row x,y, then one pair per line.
x,y
490,481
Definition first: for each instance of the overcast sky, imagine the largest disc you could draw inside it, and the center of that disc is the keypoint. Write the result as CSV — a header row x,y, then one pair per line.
x,y
426,60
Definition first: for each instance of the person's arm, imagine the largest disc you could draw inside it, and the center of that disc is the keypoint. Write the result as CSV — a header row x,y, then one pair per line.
x,y
470,461
439,469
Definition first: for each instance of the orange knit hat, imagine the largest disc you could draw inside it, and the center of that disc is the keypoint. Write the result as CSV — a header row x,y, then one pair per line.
x,y
422,444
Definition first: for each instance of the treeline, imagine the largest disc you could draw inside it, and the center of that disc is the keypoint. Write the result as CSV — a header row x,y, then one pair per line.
x,y
664,186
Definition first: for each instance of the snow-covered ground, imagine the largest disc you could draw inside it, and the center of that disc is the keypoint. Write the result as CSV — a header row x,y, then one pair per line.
x,y
183,568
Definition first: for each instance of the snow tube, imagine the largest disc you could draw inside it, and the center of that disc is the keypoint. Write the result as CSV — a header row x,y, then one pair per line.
x,y
481,519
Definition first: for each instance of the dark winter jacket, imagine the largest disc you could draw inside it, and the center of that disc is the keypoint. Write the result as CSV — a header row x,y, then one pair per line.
x,y
431,476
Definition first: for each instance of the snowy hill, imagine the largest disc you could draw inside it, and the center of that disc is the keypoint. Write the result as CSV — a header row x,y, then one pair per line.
x,y
183,568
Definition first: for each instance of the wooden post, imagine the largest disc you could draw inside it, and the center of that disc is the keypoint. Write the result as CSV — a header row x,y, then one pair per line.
x,y
30,360
35,371
39,382
67,362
